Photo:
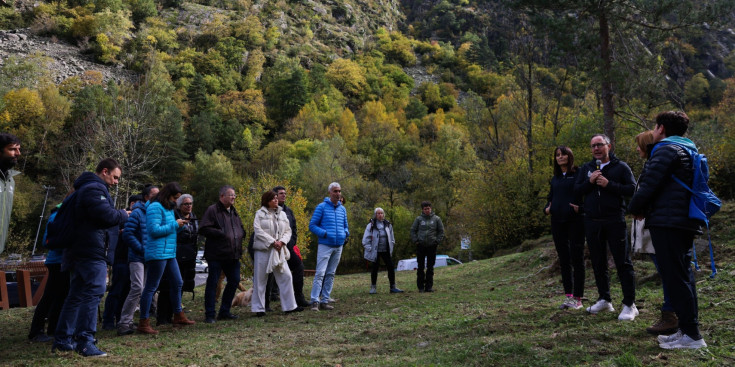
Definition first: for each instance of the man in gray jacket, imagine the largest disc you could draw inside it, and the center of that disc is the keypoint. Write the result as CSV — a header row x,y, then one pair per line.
x,y
427,232
9,153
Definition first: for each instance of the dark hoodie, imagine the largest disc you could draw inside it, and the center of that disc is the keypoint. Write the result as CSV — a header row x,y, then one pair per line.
x,y
97,219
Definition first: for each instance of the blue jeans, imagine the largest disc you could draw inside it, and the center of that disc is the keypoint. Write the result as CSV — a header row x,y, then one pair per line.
x,y
154,272
231,268
119,288
667,306
327,259
78,316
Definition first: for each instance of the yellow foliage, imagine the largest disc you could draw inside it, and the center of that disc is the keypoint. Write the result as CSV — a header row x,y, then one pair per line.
x,y
347,76
24,111
347,128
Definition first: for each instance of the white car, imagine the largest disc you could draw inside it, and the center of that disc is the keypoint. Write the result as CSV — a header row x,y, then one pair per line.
x,y
202,266
412,264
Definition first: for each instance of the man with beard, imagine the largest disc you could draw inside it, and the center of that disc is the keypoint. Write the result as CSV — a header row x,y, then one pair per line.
x,y
10,145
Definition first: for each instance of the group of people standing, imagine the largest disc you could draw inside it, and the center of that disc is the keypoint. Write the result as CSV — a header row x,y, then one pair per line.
x,y
152,248
590,203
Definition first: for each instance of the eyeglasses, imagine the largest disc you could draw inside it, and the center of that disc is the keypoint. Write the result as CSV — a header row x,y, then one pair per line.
x,y
187,204
597,145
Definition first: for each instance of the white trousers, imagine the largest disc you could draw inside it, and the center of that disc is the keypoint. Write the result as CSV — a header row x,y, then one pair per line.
x,y
260,280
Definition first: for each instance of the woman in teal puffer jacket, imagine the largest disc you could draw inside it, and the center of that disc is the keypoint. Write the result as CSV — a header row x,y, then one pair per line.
x,y
160,255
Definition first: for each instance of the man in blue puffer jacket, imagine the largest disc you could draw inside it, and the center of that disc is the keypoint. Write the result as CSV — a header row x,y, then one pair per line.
x,y
329,224
135,235
86,258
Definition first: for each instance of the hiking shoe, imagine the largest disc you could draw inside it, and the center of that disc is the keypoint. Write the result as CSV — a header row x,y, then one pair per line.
x,y
209,320
64,346
297,309
123,329
629,313
600,305
667,324
107,326
395,289
662,339
331,300
315,306
571,303
685,342
226,316
325,306
89,349
373,290
41,338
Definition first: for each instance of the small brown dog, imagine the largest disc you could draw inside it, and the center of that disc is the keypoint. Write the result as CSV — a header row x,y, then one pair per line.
x,y
242,299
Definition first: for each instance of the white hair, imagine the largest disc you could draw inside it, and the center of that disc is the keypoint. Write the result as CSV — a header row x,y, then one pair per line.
x,y
333,185
375,212
181,199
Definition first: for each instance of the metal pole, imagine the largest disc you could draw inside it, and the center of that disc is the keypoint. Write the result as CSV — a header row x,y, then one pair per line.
x,y
40,220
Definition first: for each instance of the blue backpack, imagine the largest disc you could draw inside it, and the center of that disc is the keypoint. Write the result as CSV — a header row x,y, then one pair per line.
x,y
703,203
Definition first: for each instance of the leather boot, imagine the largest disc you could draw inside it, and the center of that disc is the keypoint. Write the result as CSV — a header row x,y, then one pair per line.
x,y
667,324
144,327
180,319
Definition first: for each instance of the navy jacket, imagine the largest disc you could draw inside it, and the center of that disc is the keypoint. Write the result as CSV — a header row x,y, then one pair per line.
x,y
98,221
561,194
663,201
135,233
605,203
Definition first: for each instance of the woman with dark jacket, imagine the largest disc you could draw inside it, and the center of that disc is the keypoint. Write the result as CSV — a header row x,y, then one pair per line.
x,y
378,241
160,255
567,226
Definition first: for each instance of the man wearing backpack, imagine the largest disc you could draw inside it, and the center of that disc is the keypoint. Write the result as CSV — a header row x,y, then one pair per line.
x,y
665,205
96,223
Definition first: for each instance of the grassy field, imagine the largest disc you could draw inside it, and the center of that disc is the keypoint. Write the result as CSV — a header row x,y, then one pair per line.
x,y
496,312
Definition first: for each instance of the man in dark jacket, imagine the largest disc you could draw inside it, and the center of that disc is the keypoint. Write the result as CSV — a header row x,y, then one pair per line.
x,y
294,262
97,221
427,231
604,182
665,205
224,232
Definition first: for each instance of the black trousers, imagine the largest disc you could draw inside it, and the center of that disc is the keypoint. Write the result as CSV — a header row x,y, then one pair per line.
x,y
674,255
297,275
604,234
569,243
57,287
388,263
425,254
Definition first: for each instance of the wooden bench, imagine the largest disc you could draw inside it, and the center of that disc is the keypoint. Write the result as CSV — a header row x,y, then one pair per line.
x,y
25,272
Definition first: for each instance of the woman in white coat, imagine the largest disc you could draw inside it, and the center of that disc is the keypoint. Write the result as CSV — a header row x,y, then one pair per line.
x,y
271,234
378,241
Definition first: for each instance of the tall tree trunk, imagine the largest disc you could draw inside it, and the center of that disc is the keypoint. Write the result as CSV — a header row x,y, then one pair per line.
x,y
529,117
607,92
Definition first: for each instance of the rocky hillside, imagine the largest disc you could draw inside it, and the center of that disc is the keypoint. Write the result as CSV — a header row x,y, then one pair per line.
x,y
68,59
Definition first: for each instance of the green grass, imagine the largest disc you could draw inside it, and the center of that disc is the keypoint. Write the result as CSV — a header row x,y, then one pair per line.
x,y
496,312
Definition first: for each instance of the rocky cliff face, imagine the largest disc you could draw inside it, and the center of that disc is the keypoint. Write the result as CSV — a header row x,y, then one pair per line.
x,y
68,60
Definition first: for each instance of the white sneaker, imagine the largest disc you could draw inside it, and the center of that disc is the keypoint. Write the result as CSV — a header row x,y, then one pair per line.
x,y
628,313
600,305
670,338
685,342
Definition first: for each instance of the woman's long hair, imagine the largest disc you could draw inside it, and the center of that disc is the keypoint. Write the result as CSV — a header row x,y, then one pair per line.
x,y
643,140
570,161
171,189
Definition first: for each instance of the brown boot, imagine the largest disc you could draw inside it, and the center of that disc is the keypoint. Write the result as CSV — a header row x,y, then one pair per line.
x,y
667,324
144,327
180,319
